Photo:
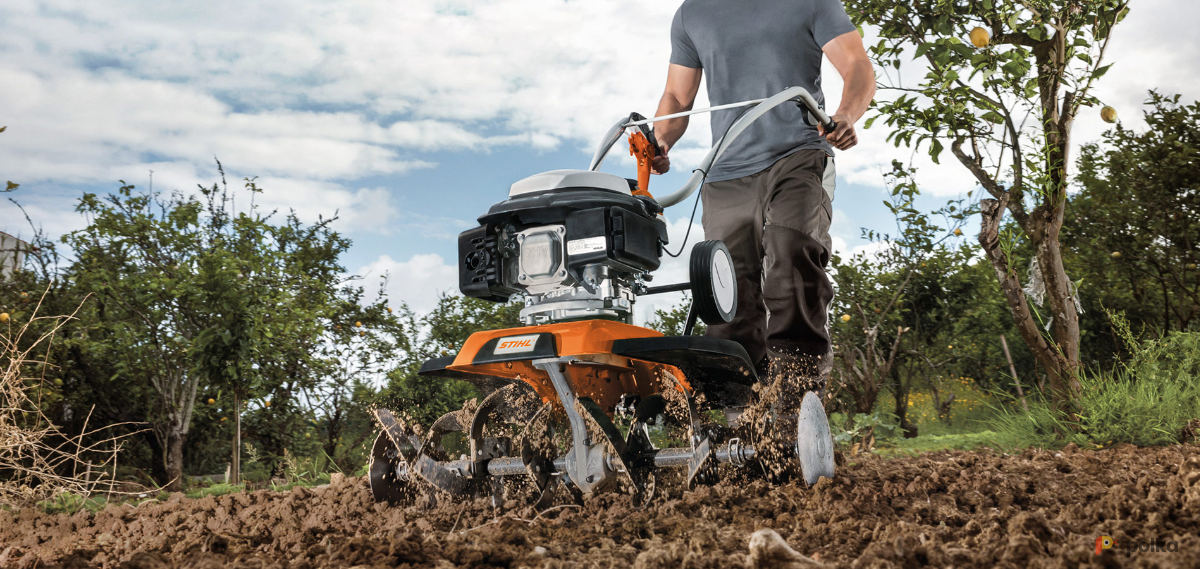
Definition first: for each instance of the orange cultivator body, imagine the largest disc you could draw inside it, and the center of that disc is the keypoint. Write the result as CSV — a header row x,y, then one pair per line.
x,y
598,373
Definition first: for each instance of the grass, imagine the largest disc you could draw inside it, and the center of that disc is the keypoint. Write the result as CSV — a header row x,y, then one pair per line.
x,y
214,490
1147,401
966,428
70,502
930,443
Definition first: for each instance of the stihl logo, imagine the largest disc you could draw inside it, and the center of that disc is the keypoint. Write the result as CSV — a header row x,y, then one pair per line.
x,y
516,344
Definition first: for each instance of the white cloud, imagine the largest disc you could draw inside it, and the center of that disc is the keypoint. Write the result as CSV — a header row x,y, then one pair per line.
x,y
313,96
418,282
305,93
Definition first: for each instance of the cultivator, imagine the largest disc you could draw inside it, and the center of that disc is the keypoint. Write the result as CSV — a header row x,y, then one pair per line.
x,y
579,400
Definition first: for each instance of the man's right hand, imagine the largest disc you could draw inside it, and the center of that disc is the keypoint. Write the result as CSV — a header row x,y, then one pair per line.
x,y
843,137
661,163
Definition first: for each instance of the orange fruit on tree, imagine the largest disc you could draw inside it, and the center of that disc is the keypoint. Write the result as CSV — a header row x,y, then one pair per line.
x,y
1109,114
3,317
358,324
1116,254
958,231
845,318
980,37
212,401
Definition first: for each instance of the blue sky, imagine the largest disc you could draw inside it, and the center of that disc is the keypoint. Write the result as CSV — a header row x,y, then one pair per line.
x,y
410,119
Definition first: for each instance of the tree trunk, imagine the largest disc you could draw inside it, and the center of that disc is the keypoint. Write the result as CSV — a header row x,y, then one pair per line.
x,y
235,464
900,393
1064,379
173,460
1057,359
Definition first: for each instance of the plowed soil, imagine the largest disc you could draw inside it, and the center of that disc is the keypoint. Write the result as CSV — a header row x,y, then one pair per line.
x,y
960,509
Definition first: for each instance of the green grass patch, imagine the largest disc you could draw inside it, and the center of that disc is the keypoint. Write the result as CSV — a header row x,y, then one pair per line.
x,y
930,443
215,490
1147,401
69,503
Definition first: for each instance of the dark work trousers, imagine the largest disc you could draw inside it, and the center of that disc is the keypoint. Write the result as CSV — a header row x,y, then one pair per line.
x,y
776,226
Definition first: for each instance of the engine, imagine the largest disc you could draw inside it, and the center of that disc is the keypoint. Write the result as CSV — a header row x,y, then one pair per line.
x,y
575,244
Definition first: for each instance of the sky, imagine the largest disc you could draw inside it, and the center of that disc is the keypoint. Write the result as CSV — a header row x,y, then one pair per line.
x,y
409,119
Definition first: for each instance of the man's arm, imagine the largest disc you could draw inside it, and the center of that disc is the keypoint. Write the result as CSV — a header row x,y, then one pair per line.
x,y
847,54
678,96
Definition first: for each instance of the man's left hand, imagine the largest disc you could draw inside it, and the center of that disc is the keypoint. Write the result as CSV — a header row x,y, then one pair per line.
x,y
843,137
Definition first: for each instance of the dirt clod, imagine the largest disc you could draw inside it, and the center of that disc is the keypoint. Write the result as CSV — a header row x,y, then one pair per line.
x,y
950,508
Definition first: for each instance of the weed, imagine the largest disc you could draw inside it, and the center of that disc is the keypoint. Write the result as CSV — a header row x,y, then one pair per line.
x,y
1148,400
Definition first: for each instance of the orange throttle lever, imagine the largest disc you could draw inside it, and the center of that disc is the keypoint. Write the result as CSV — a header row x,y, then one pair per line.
x,y
644,148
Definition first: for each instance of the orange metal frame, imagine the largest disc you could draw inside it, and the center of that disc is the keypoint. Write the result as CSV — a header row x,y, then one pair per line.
x,y
602,375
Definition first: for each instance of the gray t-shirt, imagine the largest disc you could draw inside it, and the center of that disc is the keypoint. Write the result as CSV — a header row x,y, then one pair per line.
x,y
750,49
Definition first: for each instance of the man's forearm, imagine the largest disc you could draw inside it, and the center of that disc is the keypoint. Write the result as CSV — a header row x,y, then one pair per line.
x,y
858,91
669,132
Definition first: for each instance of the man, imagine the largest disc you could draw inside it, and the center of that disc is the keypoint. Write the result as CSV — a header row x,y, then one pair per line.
x,y
769,196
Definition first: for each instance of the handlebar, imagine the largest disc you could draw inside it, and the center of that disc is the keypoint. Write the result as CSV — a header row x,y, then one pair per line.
x,y
798,95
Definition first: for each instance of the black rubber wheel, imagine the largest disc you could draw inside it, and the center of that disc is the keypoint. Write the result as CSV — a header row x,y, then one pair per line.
x,y
714,282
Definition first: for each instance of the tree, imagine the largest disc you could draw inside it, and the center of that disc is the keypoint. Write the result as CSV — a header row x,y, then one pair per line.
x,y
875,295
138,254
1134,227
363,344
1006,109
442,332
672,322
195,297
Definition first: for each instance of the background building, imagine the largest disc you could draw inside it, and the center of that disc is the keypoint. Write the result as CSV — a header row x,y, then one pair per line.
x,y
12,254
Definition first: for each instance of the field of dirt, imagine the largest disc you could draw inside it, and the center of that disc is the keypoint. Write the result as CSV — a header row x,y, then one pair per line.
x,y
945,509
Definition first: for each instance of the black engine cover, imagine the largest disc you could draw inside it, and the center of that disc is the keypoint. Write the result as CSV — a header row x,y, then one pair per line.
x,y
481,265
602,226
629,238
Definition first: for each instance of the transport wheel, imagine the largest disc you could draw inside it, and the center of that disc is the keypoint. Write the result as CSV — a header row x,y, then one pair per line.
x,y
714,282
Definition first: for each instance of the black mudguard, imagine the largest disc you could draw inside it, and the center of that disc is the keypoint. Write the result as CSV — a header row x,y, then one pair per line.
x,y
716,367
486,383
